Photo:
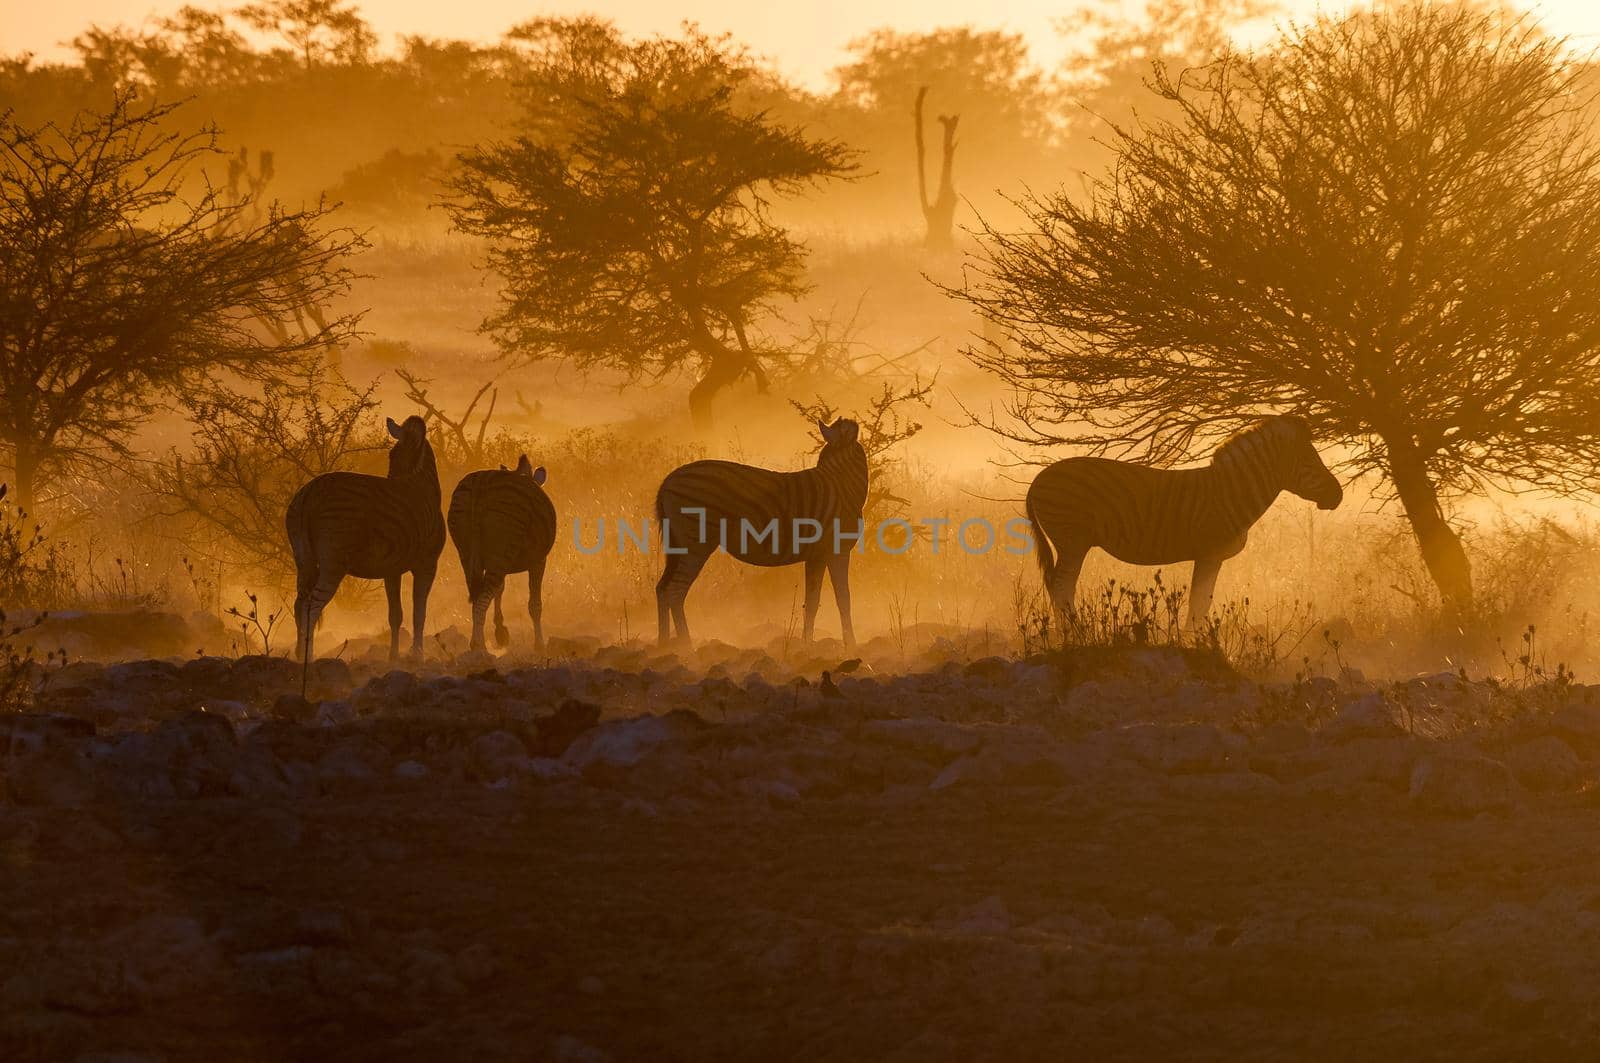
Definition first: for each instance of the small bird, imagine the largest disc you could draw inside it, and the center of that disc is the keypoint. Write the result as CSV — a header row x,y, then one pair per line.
x,y
846,667
829,688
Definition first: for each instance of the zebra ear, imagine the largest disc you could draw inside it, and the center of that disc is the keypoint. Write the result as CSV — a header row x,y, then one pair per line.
x,y
539,476
394,429
524,466
827,433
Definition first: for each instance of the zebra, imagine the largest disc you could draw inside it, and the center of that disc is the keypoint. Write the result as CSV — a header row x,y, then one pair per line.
x,y
766,518
502,522
370,527
1148,516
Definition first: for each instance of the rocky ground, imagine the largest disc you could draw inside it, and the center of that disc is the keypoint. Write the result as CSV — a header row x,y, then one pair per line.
x,y
613,854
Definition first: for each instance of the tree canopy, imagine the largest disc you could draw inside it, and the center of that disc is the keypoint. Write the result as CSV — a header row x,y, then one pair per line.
x,y
631,224
1385,222
122,279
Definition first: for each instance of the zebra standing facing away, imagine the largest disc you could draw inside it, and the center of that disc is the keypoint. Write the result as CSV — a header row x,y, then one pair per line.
x,y
765,518
371,527
502,522
1148,516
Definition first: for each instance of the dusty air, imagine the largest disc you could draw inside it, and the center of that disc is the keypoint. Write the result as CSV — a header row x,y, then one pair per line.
x,y
975,536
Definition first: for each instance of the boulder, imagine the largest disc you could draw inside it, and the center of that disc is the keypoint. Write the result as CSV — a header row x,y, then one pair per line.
x,y
164,957
554,733
1371,716
1546,763
354,765
29,734
1461,784
931,739
1178,748
57,777
624,743
497,755
1579,723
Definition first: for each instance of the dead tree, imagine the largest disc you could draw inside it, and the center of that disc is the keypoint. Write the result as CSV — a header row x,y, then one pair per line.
x,y
940,213
457,443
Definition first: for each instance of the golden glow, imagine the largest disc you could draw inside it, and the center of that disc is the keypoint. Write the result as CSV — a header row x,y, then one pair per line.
x,y
803,40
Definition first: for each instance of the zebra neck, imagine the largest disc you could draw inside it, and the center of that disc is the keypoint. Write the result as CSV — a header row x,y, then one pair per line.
x,y
1243,491
849,479
424,483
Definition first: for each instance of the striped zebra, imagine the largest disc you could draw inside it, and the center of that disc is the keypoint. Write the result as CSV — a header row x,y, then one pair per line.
x,y
371,527
1147,516
765,518
502,522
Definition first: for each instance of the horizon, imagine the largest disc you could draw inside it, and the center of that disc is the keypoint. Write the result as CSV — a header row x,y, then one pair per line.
x,y
804,44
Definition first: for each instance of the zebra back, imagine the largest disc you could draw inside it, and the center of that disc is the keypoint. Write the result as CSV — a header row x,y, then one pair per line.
x,y
1152,516
736,497
500,521
372,526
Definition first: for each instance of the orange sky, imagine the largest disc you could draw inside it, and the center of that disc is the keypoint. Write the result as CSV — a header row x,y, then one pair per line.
x,y
804,39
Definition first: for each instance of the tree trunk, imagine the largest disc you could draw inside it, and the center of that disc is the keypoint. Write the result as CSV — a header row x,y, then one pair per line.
x,y
723,370
940,212
27,473
1441,547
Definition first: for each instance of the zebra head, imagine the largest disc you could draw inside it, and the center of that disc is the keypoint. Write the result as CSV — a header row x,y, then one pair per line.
x,y
411,453
841,443
1303,470
843,432
525,468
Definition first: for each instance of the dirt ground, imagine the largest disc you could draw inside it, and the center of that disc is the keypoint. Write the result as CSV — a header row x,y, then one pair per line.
x,y
802,876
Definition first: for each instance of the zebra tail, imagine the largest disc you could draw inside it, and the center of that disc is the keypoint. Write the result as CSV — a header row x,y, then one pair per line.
x,y
1041,546
474,560
305,564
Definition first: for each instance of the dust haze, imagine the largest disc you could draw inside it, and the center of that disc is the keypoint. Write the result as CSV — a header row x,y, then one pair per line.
x,y
1312,322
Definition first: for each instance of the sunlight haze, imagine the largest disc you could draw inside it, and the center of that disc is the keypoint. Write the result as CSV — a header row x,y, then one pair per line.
x,y
805,41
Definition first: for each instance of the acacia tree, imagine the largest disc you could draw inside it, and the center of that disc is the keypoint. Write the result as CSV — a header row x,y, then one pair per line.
x,y
252,450
1387,222
636,232
318,32
121,279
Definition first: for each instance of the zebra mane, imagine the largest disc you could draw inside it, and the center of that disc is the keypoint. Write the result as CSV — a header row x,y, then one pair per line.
x,y
1244,436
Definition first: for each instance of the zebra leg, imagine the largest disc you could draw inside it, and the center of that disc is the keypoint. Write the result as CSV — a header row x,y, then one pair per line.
x,y
502,634
421,584
484,588
536,602
815,566
1202,586
663,605
683,577
1063,588
839,576
302,623
391,588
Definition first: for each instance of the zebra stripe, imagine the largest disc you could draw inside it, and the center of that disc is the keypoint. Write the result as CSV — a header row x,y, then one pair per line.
x,y
752,513
502,522
371,527
1148,516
